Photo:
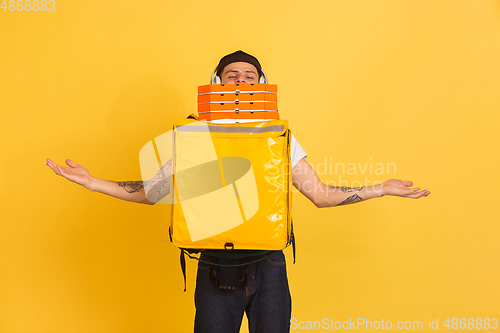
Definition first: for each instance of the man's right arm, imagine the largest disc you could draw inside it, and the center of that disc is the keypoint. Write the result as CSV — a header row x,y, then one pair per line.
x,y
141,191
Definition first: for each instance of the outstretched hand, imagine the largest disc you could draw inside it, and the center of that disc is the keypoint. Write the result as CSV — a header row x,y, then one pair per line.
x,y
75,173
401,188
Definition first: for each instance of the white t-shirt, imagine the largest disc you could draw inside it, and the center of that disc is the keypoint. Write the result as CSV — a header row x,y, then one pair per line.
x,y
296,151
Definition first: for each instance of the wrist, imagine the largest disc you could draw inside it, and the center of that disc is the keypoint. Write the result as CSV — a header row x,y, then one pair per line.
x,y
373,191
93,184
383,192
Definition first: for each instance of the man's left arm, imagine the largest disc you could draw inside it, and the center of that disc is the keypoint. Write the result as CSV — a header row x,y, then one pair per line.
x,y
305,179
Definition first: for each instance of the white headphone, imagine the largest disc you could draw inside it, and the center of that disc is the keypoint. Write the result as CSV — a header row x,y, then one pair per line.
x,y
216,78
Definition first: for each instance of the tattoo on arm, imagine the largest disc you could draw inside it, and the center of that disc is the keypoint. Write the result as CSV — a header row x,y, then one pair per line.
x,y
132,187
352,199
157,183
346,189
162,178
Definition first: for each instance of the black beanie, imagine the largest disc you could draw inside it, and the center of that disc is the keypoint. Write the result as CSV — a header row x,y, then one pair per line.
x,y
238,56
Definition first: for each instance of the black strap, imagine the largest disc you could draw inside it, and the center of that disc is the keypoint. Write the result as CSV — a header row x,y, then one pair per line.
x,y
260,257
292,239
235,254
183,267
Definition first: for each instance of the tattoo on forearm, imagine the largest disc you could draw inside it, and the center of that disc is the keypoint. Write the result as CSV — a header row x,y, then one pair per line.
x,y
346,189
132,187
158,183
352,199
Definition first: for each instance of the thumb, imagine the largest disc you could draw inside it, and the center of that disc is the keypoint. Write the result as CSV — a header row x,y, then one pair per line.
x,y
71,163
407,183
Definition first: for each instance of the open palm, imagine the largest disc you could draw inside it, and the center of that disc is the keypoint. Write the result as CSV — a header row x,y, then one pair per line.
x,y
75,173
401,188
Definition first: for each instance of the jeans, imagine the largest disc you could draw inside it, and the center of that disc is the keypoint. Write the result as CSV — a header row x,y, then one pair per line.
x,y
265,298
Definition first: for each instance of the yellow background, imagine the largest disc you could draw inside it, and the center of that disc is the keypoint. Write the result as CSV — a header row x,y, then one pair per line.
x,y
413,83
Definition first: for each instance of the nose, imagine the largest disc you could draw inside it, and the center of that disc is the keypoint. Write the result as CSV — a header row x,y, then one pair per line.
x,y
240,79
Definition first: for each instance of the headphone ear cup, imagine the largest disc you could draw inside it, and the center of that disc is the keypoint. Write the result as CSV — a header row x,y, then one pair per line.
x,y
262,80
216,80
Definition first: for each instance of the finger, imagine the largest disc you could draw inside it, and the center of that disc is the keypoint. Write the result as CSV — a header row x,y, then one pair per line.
x,y
419,194
71,163
53,168
409,190
409,193
400,191
407,183
406,192
67,170
52,164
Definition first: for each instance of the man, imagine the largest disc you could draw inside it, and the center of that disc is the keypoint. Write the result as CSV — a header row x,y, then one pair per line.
x,y
265,295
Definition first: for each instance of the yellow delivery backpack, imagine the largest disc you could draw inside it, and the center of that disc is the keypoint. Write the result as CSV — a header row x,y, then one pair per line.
x,y
232,186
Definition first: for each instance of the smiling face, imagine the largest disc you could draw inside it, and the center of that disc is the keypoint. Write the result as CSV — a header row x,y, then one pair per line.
x,y
239,72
